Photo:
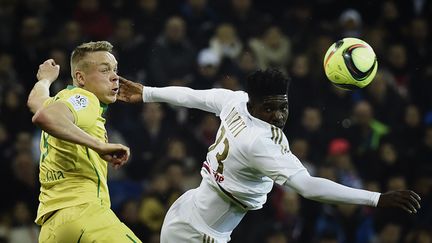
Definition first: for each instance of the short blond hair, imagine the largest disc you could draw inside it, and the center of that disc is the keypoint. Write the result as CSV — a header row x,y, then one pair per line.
x,y
82,50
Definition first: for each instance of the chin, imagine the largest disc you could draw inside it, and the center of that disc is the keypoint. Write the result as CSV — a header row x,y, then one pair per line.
x,y
281,126
110,100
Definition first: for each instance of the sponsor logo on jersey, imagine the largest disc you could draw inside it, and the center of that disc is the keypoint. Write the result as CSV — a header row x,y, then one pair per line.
x,y
217,176
53,175
78,101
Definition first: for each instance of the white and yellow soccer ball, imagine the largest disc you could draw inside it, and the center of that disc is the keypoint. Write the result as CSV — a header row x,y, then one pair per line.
x,y
350,63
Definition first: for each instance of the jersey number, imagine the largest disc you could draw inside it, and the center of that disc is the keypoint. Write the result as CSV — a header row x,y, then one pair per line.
x,y
220,157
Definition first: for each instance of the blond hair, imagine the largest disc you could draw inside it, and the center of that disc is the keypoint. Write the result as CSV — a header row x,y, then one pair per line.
x,y
82,50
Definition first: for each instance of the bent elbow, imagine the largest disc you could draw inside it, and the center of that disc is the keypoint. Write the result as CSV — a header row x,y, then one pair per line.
x,y
39,118
305,194
31,104
311,196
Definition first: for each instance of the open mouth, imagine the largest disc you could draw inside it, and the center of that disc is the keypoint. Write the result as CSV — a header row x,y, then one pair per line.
x,y
115,90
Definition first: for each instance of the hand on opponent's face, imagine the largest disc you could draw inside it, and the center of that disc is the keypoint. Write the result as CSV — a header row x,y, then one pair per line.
x,y
129,91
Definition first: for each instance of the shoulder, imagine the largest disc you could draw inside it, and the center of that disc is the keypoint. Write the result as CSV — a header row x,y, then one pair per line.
x,y
232,98
78,98
268,138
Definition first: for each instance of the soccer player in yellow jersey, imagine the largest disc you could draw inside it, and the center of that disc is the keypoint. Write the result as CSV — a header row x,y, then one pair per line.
x,y
74,200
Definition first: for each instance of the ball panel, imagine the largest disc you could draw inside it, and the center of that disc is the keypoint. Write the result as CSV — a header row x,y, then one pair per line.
x,y
363,58
356,74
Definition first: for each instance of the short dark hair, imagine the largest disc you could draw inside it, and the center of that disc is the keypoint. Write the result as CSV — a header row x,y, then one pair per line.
x,y
269,82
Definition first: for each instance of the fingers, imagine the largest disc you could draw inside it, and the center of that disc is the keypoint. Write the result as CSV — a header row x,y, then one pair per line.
x,y
401,205
120,157
50,61
415,199
409,200
415,195
127,152
116,163
415,202
122,80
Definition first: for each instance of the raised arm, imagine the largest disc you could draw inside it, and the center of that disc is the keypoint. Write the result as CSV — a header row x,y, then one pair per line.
x,y
210,100
46,75
323,190
57,119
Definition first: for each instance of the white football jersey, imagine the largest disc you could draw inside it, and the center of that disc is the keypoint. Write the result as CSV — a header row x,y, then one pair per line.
x,y
248,156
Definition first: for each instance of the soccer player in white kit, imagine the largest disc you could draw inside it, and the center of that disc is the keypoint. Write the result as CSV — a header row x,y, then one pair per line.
x,y
250,153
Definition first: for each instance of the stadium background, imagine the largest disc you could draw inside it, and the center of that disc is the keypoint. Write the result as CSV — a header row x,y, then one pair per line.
x,y
379,138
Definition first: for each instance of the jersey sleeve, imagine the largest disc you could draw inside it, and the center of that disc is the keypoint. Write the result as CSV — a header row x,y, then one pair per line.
x,y
84,107
211,100
323,190
273,160
48,101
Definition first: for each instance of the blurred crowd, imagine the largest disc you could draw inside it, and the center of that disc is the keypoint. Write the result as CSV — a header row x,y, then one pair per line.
x,y
378,138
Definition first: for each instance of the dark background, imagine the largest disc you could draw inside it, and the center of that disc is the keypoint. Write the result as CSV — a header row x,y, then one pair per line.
x,y
378,138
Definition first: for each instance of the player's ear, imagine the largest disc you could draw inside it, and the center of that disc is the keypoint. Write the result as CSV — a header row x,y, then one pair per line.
x,y
79,76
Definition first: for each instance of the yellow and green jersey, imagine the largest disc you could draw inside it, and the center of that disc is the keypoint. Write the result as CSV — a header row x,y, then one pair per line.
x,y
72,174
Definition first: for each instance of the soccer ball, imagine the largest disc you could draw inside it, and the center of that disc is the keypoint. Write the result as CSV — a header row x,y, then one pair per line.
x,y
350,63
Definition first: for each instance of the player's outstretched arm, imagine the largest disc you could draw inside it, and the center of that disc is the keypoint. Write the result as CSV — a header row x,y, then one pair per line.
x,y
211,100
323,190
46,75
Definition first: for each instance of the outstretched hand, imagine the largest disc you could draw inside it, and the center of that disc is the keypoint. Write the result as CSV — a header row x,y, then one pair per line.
x,y
129,91
115,154
406,200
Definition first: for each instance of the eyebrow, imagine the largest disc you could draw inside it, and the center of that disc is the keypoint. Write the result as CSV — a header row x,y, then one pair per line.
x,y
107,64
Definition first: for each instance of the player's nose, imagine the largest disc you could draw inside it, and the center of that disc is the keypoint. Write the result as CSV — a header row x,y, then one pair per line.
x,y
278,115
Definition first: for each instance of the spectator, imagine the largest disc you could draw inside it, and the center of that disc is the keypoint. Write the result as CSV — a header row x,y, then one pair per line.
x,y
365,132
384,99
29,48
148,17
351,24
273,49
69,36
207,69
173,57
130,48
23,229
339,157
201,20
311,129
148,145
95,22
225,42
245,18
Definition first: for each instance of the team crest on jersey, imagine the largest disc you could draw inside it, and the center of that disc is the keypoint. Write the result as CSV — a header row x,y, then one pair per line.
x,y
78,101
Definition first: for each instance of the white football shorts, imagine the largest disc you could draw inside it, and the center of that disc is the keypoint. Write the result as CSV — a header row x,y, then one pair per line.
x,y
182,224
